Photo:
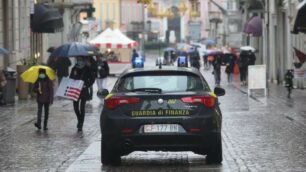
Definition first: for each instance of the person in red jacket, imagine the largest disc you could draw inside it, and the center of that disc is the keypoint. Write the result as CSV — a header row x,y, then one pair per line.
x,y
43,87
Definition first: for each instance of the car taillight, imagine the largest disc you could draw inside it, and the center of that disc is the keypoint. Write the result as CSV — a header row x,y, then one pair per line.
x,y
114,102
208,101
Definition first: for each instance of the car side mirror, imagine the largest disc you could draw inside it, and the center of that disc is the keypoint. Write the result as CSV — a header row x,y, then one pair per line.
x,y
103,93
219,91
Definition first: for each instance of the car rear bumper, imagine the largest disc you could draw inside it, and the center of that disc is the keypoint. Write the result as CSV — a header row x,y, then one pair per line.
x,y
198,142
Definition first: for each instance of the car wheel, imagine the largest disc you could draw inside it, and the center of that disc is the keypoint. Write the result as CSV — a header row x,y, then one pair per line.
x,y
214,154
109,156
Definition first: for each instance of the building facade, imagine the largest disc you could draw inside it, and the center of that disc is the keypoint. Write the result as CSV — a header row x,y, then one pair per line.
x,y
71,11
107,13
277,41
14,31
132,18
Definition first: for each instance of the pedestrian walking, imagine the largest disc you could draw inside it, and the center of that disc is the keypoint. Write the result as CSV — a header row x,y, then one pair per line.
x,y
229,70
43,88
195,58
82,71
62,68
205,59
243,63
51,62
289,82
172,56
252,58
217,68
92,63
134,56
2,85
103,72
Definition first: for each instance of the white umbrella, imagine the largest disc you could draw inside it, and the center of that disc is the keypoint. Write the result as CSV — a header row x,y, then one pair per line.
x,y
247,48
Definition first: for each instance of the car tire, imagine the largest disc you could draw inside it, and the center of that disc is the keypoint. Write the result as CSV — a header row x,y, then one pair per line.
x,y
214,154
109,156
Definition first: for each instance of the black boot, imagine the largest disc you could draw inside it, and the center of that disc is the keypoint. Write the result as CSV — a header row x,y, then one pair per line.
x,y
45,125
37,125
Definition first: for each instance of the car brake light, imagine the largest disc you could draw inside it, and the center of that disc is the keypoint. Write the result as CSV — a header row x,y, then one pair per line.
x,y
114,102
208,101
126,130
194,130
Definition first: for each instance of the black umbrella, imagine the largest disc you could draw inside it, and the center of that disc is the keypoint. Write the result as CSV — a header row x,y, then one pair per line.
x,y
75,49
51,49
3,51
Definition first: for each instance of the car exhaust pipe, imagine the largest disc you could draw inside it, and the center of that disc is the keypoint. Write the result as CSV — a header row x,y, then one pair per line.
x,y
127,144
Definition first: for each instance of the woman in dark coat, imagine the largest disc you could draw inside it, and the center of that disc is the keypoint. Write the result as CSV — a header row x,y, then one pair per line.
x,y
102,74
229,70
82,71
43,87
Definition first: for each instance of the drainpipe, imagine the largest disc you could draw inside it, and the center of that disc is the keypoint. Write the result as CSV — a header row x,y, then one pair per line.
x,y
13,32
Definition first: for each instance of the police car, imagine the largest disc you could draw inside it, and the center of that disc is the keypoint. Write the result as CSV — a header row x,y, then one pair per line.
x,y
162,109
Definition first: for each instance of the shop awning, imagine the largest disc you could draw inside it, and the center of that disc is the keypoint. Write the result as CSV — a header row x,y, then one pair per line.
x,y
254,26
113,39
300,23
256,5
46,19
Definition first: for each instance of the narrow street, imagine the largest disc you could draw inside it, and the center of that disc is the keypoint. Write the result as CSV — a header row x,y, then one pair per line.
x,y
259,134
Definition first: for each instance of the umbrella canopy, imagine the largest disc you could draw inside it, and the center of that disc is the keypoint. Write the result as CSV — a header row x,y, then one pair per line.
x,y
75,49
254,26
129,42
300,24
209,42
31,75
169,49
213,52
247,48
51,49
3,51
300,55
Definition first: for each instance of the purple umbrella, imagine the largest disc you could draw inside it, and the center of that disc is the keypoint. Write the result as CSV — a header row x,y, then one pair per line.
x,y
214,53
254,26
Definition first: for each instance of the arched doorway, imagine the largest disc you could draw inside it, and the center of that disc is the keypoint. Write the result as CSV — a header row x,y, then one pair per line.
x,y
175,24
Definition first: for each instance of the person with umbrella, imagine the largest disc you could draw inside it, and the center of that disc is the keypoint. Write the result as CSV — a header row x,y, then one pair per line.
x,y
62,68
82,71
42,77
43,87
243,63
195,58
289,81
217,60
229,70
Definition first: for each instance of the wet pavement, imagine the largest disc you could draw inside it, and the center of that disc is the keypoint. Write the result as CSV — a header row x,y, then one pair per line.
x,y
259,134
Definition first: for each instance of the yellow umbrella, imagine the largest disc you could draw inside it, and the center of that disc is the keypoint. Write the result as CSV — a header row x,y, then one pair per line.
x,y
31,75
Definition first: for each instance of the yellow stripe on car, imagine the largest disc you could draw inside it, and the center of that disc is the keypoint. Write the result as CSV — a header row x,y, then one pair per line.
x,y
108,96
213,94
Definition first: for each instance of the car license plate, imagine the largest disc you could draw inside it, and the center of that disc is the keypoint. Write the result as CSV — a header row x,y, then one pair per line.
x,y
161,128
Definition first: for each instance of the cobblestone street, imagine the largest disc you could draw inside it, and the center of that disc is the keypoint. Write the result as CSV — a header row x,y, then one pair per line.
x,y
259,134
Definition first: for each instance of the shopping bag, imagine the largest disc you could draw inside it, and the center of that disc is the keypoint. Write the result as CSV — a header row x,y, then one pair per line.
x,y
70,88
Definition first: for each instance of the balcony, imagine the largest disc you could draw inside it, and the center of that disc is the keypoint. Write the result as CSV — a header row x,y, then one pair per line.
x,y
215,17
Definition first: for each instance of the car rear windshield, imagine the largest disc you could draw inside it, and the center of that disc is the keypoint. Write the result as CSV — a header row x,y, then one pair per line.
x,y
168,82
